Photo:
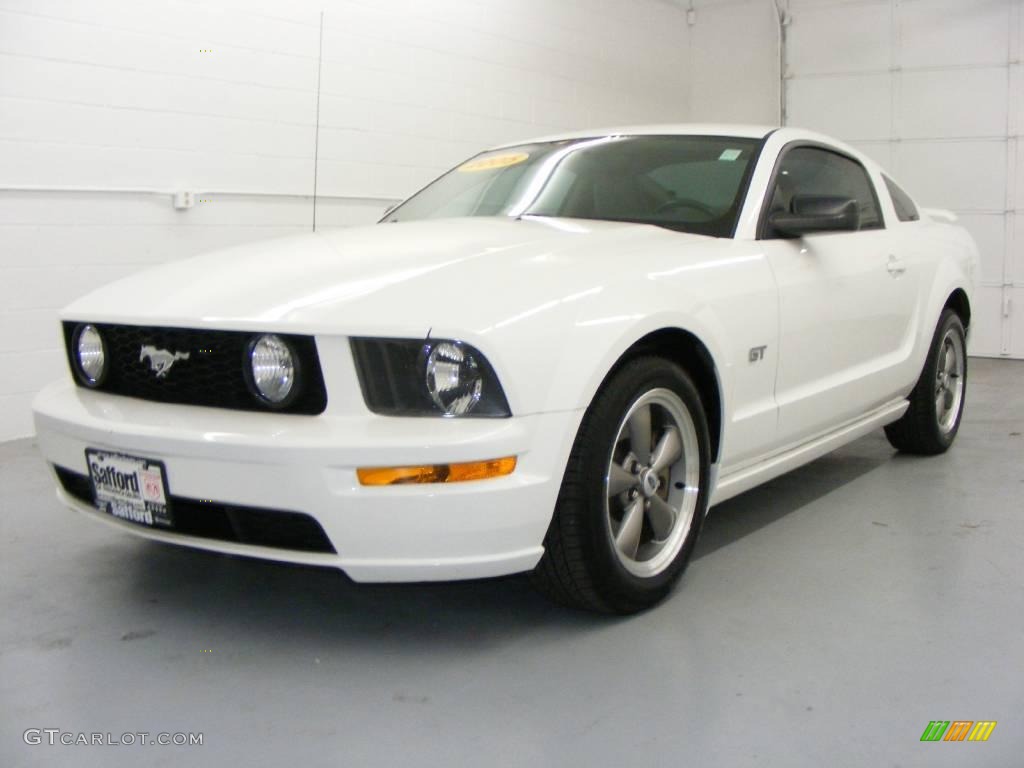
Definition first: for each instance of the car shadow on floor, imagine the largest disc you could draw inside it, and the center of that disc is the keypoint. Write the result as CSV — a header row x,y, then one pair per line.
x,y
743,515
255,597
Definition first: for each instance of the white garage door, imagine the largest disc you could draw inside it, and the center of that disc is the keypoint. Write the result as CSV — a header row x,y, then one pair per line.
x,y
932,89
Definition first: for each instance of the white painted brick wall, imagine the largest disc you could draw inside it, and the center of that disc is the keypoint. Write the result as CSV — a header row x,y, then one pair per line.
x,y
112,95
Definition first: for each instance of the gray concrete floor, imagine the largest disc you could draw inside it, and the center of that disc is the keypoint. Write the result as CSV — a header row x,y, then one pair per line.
x,y
825,620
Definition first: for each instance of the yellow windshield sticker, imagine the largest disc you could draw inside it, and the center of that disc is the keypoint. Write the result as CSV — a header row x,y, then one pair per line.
x,y
493,162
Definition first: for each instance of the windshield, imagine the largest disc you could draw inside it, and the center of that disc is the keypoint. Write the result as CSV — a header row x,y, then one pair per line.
x,y
687,183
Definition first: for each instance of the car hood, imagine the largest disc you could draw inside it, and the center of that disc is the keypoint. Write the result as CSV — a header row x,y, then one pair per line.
x,y
382,279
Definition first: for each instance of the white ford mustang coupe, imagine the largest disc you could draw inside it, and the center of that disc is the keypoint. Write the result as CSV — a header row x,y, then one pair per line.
x,y
554,358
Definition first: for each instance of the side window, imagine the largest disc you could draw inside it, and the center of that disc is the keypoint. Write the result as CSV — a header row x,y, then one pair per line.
x,y
813,171
905,208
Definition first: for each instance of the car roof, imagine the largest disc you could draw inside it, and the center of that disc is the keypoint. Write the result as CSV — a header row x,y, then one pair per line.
x,y
784,134
670,129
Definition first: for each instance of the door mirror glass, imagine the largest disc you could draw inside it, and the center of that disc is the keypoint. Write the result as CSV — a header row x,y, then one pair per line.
x,y
817,213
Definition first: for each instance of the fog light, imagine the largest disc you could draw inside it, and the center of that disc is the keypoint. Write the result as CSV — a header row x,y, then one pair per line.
x,y
92,357
273,369
437,473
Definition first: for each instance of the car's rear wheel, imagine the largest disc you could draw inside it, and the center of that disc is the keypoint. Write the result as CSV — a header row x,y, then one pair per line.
x,y
937,402
634,494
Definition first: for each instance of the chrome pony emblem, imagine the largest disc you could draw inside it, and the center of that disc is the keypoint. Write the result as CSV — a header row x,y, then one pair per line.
x,y
161,360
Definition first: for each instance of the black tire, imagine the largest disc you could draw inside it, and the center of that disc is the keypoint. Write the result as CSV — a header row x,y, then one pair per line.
x,y
919,430
580,566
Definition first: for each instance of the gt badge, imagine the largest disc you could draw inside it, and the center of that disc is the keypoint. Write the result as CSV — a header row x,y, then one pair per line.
x,y
757,354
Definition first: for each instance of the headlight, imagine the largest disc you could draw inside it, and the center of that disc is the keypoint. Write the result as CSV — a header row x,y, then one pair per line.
x,y
91,355
436,377
453,378
273,369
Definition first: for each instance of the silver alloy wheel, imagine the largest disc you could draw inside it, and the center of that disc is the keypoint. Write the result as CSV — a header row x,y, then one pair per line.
x,y
652,483
949,384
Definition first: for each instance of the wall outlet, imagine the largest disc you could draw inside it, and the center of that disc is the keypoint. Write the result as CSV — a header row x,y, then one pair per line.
x,y
183,200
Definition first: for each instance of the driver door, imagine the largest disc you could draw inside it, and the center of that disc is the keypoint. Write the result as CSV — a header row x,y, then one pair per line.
x,y
846,301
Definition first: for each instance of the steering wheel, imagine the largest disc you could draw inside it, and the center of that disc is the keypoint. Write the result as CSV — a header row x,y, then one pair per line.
x,y
687,202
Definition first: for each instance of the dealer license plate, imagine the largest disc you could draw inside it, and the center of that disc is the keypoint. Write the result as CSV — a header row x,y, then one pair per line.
x,y
130,487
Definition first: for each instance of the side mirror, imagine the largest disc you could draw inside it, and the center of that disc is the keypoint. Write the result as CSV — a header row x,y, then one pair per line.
x,y
817,213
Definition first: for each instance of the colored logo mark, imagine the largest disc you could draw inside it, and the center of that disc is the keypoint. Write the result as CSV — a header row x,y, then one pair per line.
x,y
958,730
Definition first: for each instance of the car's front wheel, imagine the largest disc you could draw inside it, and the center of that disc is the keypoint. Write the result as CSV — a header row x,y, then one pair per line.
x,y
634,494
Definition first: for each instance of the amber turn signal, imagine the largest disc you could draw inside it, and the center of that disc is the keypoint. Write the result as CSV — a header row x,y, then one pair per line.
x,y
437,473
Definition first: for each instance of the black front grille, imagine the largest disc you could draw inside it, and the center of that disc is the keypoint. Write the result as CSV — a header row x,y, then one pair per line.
x,y
227,522
213,374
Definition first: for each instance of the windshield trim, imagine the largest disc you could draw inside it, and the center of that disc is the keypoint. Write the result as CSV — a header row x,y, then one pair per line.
x,y
748,177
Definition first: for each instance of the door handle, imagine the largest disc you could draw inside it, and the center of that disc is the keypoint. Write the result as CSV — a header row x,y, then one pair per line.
x,y
896,267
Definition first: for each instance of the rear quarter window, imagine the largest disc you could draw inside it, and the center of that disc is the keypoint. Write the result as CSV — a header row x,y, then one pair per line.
x,y
905,208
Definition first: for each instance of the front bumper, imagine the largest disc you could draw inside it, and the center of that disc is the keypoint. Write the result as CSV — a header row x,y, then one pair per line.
x,y
308,465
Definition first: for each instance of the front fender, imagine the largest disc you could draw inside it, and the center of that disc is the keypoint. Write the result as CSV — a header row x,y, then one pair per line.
x,y
555,355
595,348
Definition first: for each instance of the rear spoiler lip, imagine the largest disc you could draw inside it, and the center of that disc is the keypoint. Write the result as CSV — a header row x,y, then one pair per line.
x,y
940,214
